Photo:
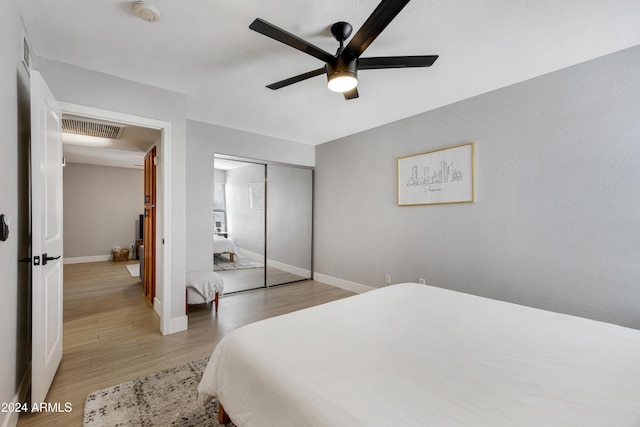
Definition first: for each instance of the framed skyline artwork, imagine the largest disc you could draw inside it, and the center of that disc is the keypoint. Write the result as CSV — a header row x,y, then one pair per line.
x,y
437,177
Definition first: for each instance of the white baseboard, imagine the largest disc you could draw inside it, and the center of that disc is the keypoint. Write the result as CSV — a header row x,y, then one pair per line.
x,y
254,256
157,306
289,268
176,324
341,283
10,418
83,259
173,325
94,258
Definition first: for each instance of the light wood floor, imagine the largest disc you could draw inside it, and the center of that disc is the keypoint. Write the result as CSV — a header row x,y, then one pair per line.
x,y
112,335
242,280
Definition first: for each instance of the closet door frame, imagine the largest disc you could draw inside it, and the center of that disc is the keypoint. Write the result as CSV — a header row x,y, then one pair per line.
x,y
266,164
310,218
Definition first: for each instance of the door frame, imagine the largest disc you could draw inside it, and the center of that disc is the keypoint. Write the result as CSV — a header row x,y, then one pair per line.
x,y
161,306
149,239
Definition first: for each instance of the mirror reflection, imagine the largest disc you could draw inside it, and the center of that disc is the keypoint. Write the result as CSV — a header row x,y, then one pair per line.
x,y
239,224
262,215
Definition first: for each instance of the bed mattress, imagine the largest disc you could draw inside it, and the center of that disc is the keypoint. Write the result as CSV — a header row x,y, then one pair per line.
x,y
223,245
418,355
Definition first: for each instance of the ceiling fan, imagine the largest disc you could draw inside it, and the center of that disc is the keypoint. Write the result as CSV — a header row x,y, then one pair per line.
x,y
342,68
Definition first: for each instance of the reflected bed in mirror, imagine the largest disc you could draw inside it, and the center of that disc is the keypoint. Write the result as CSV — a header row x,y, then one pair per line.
x,y
223,245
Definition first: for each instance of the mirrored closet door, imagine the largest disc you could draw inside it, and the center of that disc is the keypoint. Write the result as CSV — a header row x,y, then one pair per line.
x,y
289,224
263,223
239,224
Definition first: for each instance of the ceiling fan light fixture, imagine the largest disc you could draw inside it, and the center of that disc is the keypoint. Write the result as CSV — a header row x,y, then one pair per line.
x,y
343,76
342,81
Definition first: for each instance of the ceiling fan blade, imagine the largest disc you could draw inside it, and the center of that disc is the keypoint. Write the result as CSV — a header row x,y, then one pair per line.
x,y
298,78
263,27
352,94
396,62
373,26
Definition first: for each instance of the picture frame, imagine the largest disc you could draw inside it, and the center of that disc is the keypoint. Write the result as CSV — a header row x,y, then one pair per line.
x,y
441,176
256,195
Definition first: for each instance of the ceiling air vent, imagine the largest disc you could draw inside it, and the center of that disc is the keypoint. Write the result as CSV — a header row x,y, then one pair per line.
x,y
88,127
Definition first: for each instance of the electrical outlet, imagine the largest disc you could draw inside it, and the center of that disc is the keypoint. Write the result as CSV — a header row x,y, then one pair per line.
x,y
387,279
422,281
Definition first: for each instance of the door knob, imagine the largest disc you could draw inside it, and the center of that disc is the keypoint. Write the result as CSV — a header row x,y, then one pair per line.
x,y
46,258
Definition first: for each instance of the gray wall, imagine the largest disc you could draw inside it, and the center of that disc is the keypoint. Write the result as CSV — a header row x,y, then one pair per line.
x,y
555,222
244,224
14,125
101,208
205,140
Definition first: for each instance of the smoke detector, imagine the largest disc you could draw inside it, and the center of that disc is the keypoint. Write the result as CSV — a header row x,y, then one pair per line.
x,y
147,11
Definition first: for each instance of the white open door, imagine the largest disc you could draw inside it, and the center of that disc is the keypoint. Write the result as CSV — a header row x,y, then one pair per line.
x,y
46,243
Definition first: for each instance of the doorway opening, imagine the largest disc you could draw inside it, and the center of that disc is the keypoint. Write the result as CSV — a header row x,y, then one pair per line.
x,y
104,188
143,134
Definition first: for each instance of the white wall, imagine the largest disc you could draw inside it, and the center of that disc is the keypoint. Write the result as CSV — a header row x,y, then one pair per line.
x,y
220,176
79,86
555,224
205,140
101,208
14,303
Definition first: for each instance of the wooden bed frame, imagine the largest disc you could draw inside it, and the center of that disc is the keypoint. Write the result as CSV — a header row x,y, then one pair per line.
x,y
223,417
231,255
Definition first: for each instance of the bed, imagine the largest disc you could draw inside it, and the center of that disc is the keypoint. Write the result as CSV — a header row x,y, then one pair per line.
x,y
416,355
223,245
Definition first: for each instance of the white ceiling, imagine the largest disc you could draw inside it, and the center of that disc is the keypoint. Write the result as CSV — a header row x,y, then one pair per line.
x,y
204,49
126,152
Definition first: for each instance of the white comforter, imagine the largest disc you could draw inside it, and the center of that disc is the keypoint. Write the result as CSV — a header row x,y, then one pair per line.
x,y
415,355
222,245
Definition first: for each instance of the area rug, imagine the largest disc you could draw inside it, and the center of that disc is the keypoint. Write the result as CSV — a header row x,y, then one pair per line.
x,y
222,263
134,269
167,398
